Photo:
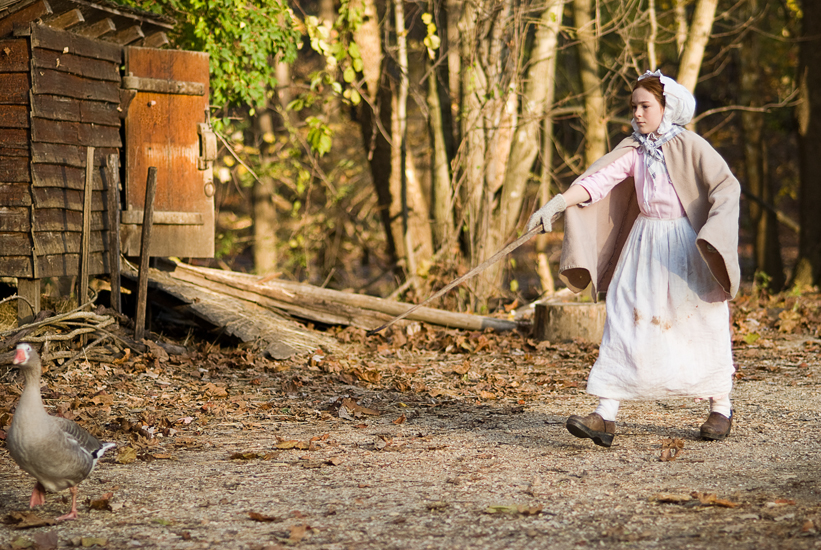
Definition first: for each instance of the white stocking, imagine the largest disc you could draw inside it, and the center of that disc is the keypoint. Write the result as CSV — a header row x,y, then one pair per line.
x,y
721,405
608,408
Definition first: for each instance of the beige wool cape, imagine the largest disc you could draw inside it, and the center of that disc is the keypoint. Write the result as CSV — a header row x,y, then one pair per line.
x,y
708,191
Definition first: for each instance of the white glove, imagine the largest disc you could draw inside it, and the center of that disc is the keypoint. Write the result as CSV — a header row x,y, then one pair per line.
x,y
544,215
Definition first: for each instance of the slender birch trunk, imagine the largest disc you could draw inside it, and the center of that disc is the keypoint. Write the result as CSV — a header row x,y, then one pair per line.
x,y
652,60
537,99
594,110
409,218
264,210
680,7
693,53
441,203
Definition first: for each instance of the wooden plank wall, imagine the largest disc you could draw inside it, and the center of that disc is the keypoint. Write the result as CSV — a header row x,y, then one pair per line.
x,y
15,155
74,99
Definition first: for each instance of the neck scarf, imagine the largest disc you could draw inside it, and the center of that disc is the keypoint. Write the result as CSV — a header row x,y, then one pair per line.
x,y
678,111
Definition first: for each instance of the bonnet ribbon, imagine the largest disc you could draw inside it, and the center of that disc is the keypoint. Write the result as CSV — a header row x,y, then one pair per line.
x,y
654,159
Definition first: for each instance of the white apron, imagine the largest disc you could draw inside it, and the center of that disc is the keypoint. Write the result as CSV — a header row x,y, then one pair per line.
x,y
667,332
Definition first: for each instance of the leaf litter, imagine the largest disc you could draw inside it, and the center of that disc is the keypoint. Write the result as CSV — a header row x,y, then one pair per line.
x,y
436,416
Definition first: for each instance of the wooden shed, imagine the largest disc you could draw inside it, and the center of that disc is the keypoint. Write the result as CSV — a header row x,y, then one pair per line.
x,y
81,81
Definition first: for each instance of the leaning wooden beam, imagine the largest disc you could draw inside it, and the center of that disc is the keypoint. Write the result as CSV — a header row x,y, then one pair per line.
x,y
156,40
328,306
28,14
127,35
145,246
66,20
113,190
85,236
98,29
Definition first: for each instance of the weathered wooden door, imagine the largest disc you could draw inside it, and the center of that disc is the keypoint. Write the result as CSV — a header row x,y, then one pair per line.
x,y
166,126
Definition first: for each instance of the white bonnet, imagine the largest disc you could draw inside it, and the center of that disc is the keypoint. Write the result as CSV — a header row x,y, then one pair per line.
x,y
680,105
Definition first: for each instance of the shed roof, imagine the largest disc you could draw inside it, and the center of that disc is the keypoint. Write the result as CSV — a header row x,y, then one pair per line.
x,y
101,19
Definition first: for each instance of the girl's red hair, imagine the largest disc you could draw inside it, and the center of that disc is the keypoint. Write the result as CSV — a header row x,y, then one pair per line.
x,y
653,85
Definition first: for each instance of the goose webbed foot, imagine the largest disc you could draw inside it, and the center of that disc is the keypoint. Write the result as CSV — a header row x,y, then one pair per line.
x,y
38,495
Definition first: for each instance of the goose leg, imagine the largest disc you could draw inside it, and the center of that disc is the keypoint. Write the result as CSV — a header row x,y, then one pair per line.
x,y
38,495
73,513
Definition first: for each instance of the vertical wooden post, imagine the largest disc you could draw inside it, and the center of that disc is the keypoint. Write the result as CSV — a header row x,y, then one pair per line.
x,y
113,177
82,280
30,290
145,243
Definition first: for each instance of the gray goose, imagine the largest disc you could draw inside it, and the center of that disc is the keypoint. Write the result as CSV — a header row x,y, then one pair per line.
x,y
56,451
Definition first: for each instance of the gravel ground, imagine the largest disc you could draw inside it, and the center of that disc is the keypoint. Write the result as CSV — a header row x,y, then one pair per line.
x,y
464,473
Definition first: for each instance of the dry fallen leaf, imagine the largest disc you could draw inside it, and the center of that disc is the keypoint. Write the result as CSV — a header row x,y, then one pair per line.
x,y
213,390
355,410
124,358
671,449
126,455
103,503
462,369
513,509
298,532
711,499
400,420
292,444
247,455
256,516
26,520
163,456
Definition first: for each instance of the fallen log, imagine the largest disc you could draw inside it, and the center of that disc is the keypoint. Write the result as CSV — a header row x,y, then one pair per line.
x,y
324,305
278,337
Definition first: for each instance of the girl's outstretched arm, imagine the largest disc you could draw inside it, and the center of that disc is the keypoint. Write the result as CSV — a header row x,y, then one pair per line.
x,y
576,194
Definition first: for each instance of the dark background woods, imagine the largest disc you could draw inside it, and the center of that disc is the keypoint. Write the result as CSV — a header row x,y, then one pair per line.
x,y
389,162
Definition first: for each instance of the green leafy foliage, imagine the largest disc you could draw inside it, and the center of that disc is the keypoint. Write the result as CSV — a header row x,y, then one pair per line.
x,y
241,39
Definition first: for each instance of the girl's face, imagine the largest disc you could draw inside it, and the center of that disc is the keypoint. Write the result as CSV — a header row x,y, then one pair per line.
x,y
646,110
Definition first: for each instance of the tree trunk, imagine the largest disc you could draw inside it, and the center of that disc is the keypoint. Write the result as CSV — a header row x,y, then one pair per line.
x,y
543,240
489,111
379,153
537,99
472,151
693,54
808,268
680,7
369,40
594,111
265,226
652,59
453,51
409,213
263,192
441,202
542,259
767,252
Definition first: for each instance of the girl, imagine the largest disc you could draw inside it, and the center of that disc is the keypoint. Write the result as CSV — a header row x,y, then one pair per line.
x,y
655,224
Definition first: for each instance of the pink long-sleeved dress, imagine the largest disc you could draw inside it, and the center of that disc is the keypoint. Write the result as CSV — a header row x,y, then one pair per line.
x,y
667,332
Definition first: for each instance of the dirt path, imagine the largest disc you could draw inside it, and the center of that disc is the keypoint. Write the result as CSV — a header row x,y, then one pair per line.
x,y
428,471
